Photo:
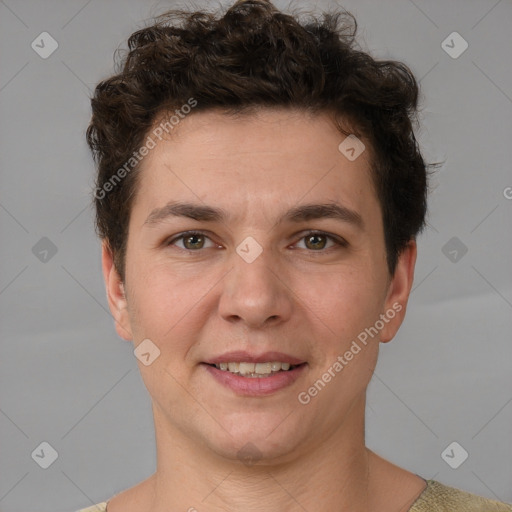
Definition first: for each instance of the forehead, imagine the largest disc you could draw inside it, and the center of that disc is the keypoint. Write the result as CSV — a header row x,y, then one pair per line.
x,y
255,162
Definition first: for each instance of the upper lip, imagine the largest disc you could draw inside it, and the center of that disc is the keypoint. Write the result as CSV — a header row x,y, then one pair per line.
x,y
242,356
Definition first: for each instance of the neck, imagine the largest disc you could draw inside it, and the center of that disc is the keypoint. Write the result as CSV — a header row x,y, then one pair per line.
x,y
332,473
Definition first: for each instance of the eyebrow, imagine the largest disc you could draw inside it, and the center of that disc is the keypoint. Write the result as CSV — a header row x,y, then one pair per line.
x,y
297,214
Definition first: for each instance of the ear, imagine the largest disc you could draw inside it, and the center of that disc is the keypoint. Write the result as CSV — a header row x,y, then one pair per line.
x,y
115,293
398,293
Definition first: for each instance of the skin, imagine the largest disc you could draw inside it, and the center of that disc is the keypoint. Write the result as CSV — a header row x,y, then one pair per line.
x,y
307,300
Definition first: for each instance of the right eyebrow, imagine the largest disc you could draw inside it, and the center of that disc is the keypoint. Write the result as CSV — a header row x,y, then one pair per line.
x,y
189,210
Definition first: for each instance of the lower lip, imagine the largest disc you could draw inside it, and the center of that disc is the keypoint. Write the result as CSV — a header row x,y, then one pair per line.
x,y
256,386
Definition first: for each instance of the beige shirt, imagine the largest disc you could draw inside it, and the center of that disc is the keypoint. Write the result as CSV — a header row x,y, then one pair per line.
x,y
435,498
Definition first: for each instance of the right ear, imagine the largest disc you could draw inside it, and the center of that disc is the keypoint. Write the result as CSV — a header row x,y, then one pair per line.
x,y
115,293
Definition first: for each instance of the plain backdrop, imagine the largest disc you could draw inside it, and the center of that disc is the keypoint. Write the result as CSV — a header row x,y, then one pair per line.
x,y
68,380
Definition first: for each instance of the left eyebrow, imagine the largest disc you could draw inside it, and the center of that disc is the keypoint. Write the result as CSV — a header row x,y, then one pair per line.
x,y
298,214
323,211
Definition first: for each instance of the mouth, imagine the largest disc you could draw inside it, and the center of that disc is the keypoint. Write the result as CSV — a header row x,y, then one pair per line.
x,y
256,379
256,370
250,374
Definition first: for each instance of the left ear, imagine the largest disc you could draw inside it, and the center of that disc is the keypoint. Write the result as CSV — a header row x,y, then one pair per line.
x,y
400,286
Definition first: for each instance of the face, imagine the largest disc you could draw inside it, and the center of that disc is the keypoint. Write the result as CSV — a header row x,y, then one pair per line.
x,y
255,240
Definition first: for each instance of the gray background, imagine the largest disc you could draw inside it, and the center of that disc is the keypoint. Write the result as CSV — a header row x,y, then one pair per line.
x,y
67,379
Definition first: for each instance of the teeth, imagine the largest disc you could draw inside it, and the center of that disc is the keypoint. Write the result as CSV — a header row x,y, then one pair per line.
x,y
262,368
246,368
254,369
233,367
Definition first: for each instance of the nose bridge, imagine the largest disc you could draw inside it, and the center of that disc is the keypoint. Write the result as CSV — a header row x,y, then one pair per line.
x,y
253,291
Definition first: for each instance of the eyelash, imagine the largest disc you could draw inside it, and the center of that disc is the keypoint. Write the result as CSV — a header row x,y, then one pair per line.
x,y
340,242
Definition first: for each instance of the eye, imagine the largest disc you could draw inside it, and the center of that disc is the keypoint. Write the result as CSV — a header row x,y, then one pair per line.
x,y
318,241
314,241
192,241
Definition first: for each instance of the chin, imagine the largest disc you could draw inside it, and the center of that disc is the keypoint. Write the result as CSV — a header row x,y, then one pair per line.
x,y
259,438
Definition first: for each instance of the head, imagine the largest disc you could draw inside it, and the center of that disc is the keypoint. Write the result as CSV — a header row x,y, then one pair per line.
x,y
244,114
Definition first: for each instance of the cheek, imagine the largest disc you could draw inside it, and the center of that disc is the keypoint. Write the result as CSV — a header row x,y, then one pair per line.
x,y
343,302
341,306
165,307
165,302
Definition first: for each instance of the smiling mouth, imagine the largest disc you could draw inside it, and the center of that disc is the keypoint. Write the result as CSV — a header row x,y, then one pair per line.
x,y
256,370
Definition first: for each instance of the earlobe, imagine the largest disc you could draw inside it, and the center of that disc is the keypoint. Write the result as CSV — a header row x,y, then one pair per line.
x,y
399,291
116,295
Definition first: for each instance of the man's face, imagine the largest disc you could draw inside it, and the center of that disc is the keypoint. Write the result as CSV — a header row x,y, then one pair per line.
x,y
319,281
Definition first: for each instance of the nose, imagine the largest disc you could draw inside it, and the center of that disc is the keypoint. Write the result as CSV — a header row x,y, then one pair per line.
x,y
255,294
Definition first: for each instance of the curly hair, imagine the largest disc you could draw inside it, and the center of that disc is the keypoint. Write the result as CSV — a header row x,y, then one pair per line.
x,y
252,56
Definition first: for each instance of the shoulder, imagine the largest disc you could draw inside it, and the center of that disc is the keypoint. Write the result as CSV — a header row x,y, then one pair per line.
x,y
99,507
440,498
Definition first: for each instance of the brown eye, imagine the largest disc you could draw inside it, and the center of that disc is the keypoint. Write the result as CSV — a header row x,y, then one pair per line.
x,y
316,241
321,242
192,241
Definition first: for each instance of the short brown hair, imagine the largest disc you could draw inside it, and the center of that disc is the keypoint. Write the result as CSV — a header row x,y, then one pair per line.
x,y
251,56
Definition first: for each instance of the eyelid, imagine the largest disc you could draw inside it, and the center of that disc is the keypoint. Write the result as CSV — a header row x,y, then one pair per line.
x,y
338,240
184,234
